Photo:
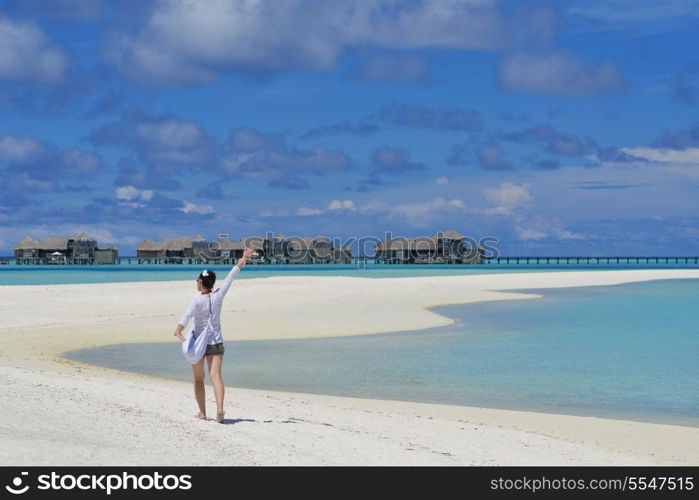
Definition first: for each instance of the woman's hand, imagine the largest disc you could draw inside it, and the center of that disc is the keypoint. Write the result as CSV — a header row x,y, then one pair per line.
x,y
178,333
246,255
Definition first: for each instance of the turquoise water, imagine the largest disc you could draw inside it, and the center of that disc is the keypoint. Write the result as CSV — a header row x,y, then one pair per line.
x,y
624,351
50,275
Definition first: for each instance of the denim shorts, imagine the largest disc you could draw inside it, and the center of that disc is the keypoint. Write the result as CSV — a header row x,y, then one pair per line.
x,y
215,348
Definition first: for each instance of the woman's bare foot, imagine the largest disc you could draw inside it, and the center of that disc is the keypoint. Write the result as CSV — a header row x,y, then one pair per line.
x,y
200,416
220,416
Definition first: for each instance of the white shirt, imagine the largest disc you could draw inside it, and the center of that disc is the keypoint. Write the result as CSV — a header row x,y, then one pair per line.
x,y
202,303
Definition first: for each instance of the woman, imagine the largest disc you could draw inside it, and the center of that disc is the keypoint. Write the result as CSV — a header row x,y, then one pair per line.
x,y
208,303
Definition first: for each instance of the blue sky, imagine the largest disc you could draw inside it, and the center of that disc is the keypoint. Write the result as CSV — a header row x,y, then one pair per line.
x,y
558,127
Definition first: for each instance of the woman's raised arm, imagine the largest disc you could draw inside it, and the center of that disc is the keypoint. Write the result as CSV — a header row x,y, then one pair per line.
x,y
236,269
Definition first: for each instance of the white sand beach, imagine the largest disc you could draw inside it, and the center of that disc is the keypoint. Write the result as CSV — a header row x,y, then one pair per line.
x,y
60,412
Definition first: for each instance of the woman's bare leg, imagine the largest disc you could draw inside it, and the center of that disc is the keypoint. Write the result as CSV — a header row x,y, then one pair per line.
x,y
215,362
198,372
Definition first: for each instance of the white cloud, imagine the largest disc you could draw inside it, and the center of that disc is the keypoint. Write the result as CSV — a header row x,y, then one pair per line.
x,y
342,205
82,162
616,14
417,214
277,212
539,228
374,205
192,208
442,180
158,139
510,200
498,211
129,193
26,181
280,162
165,133
101,235
334,206
305,211
15,149
559,72
689,155
508,196
131,196
187,41
529,233
420,214
27,55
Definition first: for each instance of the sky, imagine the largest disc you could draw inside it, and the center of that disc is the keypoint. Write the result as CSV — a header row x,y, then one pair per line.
x,y
559,128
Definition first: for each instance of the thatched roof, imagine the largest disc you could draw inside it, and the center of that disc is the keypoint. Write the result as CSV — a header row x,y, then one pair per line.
x,y
253,241
149,245
450,234
307,242
177,243
174,244
422,243
383,245
54,243
51,242
26,243
316,239
226,244
419,243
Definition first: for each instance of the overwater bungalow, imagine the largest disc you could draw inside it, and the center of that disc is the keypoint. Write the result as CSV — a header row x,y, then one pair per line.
x,y
228,251
196,250
270,249
445,247
79,249
316,250
172,251
278,249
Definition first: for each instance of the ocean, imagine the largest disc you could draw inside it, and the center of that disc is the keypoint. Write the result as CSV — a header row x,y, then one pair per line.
x,y
628,351
56,275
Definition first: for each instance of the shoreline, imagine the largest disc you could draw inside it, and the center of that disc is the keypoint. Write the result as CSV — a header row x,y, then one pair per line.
x,y
108,359
34,346
389,272
366,400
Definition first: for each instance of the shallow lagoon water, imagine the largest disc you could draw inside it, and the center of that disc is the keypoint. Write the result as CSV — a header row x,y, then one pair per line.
x,y
626,351
62,275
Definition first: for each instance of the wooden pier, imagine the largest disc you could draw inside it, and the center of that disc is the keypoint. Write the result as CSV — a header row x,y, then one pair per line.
x,y
63,262
368,261
592,260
